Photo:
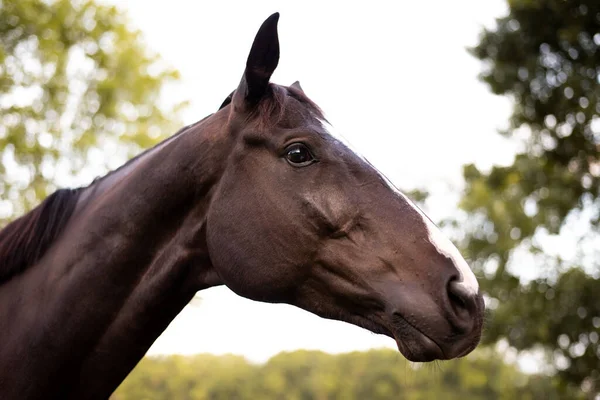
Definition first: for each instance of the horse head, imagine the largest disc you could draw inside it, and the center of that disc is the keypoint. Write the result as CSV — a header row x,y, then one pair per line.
x,y
297,217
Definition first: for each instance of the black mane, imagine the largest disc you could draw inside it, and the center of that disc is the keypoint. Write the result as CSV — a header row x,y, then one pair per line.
x,y
25,240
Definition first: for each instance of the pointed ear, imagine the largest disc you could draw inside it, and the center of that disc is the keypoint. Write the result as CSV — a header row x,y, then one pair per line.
x,y
296,85
262,61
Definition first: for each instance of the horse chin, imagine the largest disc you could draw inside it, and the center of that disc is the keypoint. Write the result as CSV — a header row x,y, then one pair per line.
x,y
413,343
418,347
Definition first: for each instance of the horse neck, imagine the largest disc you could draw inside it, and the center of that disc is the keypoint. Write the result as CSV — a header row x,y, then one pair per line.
x,y
129,260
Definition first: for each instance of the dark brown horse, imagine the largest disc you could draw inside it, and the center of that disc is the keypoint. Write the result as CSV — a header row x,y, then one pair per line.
x,y
259,197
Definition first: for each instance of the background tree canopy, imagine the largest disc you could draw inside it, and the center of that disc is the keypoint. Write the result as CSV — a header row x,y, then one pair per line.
x,y
307,375
74,78
542,212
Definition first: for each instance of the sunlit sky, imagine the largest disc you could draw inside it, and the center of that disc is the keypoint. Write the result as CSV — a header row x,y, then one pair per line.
x,y
394,77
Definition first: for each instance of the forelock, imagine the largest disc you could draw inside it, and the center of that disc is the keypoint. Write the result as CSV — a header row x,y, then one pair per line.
x,y
275,104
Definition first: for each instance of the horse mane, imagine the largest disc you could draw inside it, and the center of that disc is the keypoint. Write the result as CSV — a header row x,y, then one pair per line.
x,y
25,240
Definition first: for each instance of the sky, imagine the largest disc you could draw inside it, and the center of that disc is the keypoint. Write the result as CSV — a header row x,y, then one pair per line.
x,y
394,77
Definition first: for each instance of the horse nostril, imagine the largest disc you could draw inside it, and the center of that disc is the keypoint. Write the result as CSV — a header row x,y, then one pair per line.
x,y
462,301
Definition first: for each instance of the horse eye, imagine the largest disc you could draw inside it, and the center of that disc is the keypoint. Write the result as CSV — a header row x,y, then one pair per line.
x,y
298,155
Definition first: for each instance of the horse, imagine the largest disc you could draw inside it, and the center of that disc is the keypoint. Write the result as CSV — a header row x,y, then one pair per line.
x,y
258,196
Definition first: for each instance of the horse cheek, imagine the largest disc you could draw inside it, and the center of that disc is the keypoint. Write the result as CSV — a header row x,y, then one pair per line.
x,y
248,253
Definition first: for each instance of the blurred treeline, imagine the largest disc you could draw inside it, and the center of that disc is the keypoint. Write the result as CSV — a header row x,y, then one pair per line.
x,y
79,93
532,228
306,375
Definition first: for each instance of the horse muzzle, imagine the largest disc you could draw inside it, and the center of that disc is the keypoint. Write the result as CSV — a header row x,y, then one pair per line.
x,y
453,333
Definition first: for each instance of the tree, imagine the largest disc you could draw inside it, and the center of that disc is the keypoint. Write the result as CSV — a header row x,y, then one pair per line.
x,y
542,212
74,80
306,375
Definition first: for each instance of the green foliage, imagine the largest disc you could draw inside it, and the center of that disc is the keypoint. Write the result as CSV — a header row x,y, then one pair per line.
x,y
307,375
528,216
74,78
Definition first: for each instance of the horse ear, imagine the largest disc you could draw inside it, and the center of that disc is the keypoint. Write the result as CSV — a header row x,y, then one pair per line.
x,y
262,61
296,85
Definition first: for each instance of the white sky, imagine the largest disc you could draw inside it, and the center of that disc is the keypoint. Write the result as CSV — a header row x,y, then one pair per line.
x,y
394,77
